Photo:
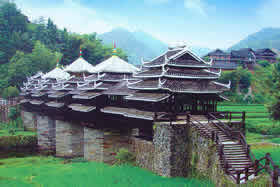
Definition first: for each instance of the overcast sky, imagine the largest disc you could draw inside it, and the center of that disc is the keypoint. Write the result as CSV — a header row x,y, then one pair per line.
x,y
204,23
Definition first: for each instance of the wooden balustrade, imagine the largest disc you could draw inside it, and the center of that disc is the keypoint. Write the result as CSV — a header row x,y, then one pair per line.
x,y
215,118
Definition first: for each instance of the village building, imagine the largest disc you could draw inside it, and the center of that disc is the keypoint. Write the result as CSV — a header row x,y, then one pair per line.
x,y
222,60
266,54
245,57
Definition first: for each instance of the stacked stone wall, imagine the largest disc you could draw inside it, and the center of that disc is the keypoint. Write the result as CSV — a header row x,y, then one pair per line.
x,y
144,152
29,120
103,145
69,139
171,143
46,133
93,147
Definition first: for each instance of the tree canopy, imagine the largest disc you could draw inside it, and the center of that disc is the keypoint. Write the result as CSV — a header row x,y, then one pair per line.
x,y
28,47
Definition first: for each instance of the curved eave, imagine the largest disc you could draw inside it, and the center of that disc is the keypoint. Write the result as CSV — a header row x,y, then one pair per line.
x,y
153,66
189,77
176,76
176,91
55,105
108,80
140,88
190,66
127,115
147,76
148,100
87,89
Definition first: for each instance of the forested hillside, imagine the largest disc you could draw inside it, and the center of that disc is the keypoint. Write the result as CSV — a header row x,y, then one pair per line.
x,y
266,38
27,47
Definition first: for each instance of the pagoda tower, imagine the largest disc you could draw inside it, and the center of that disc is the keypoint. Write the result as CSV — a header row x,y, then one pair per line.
x,y
181,80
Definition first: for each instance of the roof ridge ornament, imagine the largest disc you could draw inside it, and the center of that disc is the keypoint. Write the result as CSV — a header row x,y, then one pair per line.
x,y
142,61
100,76
210,62
219,73
225,85
131,83
97,85
160,83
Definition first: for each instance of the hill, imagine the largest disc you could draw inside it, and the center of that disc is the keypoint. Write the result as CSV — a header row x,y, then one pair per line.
x,y
140,44
265,38
135,44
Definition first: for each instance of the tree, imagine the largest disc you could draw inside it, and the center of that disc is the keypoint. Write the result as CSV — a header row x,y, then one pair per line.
x,y
23,65
263,63
10,92
274,104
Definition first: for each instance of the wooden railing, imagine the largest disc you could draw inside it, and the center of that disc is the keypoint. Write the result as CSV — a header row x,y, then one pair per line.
x,y
235,134
5,108
235,120
256,165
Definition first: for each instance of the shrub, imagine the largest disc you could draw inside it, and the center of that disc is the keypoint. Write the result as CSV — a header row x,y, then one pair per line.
x,y
125,157
10,92
14,113
8,142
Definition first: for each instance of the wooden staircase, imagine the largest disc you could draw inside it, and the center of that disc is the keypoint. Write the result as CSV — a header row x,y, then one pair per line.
x,y
234,153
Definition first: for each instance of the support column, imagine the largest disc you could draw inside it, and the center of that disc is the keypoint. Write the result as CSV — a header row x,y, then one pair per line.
x,y
93,147
102,145
69,139
46,133
29,120
171,157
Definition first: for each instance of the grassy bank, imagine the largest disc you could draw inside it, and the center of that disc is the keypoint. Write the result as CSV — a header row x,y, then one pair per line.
x,y
52,172
260,127
7,132
260,150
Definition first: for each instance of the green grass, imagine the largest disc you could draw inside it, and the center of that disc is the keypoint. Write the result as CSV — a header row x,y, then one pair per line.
x,y
260,150
5,132
54,172
257,119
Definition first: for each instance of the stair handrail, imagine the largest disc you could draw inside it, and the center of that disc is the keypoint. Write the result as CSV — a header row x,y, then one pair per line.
x,y
223,127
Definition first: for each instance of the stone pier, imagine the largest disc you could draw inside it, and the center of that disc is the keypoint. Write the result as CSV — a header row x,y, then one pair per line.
x,y
102,145
171,156
93,144
69,139
29,120
46,133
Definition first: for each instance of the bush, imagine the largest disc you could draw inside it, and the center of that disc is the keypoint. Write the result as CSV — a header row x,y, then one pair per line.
x,y
14,113
8,142
10,92
125,157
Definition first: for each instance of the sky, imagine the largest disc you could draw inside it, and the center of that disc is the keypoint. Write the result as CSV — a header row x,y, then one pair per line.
x,y
203,23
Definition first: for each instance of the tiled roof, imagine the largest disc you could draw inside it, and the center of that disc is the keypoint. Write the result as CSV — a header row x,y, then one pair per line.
x,y
79,66
129,112
86,95
115,65
81,108
58,95
145,96
54,104
36,102
119,89
224,65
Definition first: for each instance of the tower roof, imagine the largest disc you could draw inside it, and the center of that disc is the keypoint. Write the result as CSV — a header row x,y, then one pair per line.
x,y
115,65
56,73
79,66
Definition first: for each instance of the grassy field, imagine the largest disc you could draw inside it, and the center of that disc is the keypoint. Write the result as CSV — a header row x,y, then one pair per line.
x,y
260,150
260,127
54,172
